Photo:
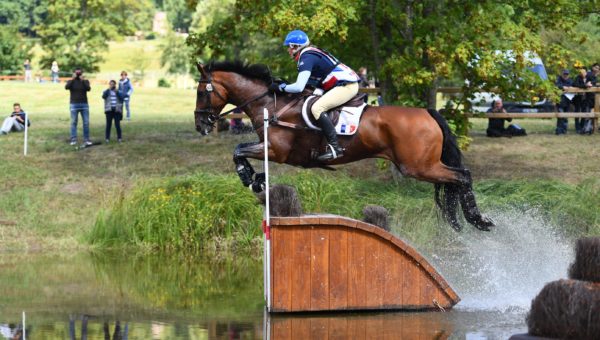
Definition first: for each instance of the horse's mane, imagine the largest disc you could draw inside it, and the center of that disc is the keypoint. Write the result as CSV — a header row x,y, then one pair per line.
x,y
255,71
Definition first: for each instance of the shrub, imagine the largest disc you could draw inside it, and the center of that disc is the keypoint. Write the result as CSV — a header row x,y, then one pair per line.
x,y
162,82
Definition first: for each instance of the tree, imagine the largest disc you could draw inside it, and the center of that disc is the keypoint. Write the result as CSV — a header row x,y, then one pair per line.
x,y
24,14
178,14
13,50
175,55
413,46
130,16
75,33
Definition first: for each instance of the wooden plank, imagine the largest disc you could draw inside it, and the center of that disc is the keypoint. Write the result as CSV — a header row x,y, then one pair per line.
x,y
319,274
411,285
301,269
281,329
338,328
300,328
374,328
357,295
357,328
428,289
374,272
338,268
281,274
455,89
319,328
392,289
544,115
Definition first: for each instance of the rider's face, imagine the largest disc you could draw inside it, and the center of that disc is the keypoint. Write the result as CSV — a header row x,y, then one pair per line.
x,y
291,50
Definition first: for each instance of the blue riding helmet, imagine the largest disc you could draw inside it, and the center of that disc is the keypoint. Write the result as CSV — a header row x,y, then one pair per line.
x,y
296,37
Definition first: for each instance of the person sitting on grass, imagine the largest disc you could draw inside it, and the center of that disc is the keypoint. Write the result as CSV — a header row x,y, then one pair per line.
x,y
15,122
113,108
496,125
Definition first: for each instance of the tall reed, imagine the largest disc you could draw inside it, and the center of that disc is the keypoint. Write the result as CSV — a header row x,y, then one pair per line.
x,y
193,212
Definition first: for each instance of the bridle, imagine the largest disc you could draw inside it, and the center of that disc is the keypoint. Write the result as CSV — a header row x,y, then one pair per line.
x,y
212,117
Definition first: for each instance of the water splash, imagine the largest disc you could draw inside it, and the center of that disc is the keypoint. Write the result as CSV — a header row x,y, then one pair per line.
x,y
505,269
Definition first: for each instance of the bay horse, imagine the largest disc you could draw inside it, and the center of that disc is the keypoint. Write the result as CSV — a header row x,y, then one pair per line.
x,y
417,141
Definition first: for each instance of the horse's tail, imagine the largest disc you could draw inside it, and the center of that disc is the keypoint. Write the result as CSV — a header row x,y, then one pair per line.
x,y
447,195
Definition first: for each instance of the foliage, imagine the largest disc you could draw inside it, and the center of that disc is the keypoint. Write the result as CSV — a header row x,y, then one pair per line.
x,y
24,14
162,82
13,50
175,55
580,47
186,214
75,33
130,16
178,14
411,46
139,62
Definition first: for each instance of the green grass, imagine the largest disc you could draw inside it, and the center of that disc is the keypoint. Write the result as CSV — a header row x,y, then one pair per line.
x,y
55,195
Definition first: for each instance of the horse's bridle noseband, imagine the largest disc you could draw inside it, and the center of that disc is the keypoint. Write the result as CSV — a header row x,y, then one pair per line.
x,y
212,118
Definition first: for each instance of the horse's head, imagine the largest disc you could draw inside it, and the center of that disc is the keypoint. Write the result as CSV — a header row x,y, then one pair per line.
x,y
210,100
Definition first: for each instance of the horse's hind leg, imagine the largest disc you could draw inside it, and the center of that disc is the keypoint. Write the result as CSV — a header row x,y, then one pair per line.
x,y
447,183
469,205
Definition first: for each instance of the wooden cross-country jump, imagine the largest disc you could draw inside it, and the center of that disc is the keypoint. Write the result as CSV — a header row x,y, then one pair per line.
x,y
333,263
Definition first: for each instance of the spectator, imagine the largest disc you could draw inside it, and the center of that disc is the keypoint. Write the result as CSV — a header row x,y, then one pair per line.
x,y
364,80
563,81
14,122
592,77
126,90
54,71
27,68
113,109
580,100
79,86
496,125
236,124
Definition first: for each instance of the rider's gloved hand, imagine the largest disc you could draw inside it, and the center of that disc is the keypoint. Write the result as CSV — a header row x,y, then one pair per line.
x,y
276,88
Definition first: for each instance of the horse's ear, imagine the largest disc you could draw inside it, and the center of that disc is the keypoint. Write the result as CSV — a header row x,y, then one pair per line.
x,y
201,69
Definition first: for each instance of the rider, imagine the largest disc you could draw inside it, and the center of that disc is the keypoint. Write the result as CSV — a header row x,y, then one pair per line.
x,y
322,70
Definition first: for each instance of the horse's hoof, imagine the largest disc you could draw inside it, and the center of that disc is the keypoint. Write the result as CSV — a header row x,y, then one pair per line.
x,y
485,224
456,226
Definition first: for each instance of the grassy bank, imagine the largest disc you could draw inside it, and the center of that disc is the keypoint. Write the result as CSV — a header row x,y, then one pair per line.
x,y
196,212
52,197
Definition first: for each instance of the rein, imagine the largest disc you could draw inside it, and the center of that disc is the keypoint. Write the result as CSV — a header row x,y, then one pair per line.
x,y
212,118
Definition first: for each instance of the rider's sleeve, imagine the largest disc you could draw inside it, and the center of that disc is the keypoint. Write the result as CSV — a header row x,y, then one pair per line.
x,y
300,83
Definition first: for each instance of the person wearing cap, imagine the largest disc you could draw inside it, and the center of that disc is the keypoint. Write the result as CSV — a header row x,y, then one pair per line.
x,y
563,81
78,86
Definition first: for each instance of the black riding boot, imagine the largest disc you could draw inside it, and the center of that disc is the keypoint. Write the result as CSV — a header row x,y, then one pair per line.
x,y
334,150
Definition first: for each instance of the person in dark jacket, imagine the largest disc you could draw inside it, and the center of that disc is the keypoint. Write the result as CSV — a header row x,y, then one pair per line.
x,y
113,109
563,81
79,87
496,125
580,100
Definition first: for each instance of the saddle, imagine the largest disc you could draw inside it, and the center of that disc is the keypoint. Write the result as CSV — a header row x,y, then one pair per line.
x,y
344,117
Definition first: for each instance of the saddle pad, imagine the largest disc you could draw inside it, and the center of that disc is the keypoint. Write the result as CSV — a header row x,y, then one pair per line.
x,y
347,124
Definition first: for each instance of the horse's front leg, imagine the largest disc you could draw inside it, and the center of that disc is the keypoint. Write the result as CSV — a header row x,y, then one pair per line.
x,y
249,178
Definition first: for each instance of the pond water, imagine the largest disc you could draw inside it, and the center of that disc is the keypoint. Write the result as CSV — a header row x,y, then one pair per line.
x,y
65,296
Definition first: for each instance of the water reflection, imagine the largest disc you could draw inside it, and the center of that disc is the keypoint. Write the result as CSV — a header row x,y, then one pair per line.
x,y
361,326
123,296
